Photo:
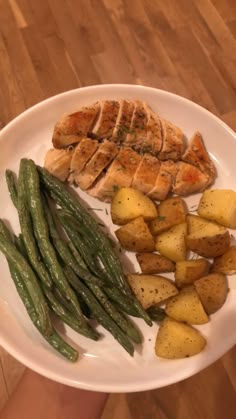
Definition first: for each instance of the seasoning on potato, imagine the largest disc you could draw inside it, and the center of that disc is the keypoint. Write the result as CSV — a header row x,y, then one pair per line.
x,y
171,212
135,236
178,340
226,264
128,204
219,205
152,263
212,290
187,307
206,238
171,243
187,271
151,289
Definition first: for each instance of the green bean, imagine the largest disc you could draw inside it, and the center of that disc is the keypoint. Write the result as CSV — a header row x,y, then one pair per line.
x,y
54,339
12,187
42,234
65,252
105,252
28,275
156,313
68,318
98,311
104,247
27,229
121,301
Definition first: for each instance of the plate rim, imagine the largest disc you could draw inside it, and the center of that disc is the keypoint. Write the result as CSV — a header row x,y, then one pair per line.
x,y
113,388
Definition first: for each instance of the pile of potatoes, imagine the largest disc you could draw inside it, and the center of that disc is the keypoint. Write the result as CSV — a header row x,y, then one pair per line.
x,y
166,238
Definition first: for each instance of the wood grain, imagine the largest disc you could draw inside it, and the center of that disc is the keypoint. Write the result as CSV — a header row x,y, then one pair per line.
x,y
187,47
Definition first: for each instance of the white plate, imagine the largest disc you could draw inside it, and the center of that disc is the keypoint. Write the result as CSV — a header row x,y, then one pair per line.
x,y
105,366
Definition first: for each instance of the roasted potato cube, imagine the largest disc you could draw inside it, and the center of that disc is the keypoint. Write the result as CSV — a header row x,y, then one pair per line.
x,y
187,271
212,290
172,211
219,205
135,236
186,307
206,238
152,263
171,243
128,204
226,264
151,289
178,340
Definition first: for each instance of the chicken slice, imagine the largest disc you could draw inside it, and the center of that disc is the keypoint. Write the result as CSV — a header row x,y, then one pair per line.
x,y
164,180
58,162
107,119
154,131
72,128
145,176
119,174
138,128
82,153
189,179
123,121
197,155
99,161
173,144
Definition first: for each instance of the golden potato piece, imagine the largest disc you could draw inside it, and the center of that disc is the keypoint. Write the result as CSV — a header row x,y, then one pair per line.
x,y
206,238
187,271
152,263
128,204
172,211
212,290
219,205
135,236
226,264
151,289
186,307
178,340
171,243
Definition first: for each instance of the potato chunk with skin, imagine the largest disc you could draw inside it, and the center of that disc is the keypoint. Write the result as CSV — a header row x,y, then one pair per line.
x,y
187,271
219,205
226,264
152,263
151,289
172,211
135,236
129,203
178,340
186,307
212,290
206,238
171,243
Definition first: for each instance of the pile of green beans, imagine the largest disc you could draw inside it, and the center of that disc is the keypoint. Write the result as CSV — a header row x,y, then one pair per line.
x,y
63,263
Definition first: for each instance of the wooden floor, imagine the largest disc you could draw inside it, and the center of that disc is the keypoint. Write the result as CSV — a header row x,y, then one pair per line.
x,y
185,46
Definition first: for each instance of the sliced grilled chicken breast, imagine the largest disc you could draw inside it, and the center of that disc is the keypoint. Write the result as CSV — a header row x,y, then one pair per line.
x,y
154,131
189,179
99,161
107,119
197,155
82,153
164,180
138,127
123,121
72,128
119,174
58,162
172,144
146,174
